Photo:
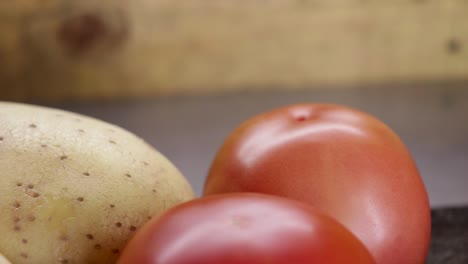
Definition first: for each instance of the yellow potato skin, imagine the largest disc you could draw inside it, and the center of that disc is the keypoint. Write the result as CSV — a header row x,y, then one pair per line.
x,y
3,260
75,189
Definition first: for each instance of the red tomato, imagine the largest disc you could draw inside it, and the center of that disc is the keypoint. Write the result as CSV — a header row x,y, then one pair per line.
x,y
244,228
344,162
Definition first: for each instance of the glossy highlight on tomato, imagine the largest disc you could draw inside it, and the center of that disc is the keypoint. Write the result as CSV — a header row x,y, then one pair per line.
x,y
244,228
342,161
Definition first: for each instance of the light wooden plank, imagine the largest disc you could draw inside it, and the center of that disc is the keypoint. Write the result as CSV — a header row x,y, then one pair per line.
x,y
160,47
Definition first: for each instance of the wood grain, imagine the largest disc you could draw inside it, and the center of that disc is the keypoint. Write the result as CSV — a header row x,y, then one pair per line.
x,y
55,50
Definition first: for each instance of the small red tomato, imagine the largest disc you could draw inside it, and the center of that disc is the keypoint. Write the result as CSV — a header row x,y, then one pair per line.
x,y
342,161
244,228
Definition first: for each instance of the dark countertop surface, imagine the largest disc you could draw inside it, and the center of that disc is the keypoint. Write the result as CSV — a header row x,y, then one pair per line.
x,y
449,243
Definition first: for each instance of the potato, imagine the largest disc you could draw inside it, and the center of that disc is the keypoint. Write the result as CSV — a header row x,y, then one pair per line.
x,y
3,260
74,189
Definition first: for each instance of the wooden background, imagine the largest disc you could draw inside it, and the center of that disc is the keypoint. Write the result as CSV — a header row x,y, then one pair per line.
x,y
91,50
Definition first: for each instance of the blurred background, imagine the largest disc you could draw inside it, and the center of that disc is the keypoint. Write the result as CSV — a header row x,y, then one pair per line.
x,y
183,74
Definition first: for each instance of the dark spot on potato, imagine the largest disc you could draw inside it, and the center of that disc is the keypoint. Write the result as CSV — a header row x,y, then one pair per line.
x,y
86,173
35,195
128,175
64,261
63,157
24,255
149,217
80,199
44,145
16,228
31,218
19,184
118,224
97,246
1,138
145,163
32,126
154,191
112,141
115,251
24,241
89,236
454,46
16,204
16,219
30,186
111,205
81,130
132,228
63,237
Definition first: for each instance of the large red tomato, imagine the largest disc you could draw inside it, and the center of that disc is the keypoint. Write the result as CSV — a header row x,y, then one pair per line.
x,y
244,228
344,162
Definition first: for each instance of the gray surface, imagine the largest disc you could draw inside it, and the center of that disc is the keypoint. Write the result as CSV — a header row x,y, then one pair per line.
x,y
432,121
